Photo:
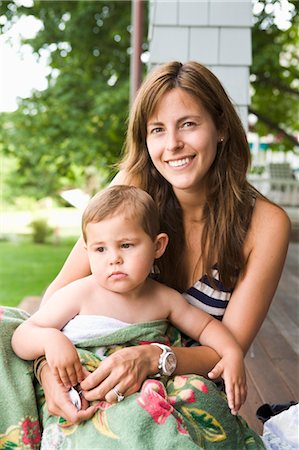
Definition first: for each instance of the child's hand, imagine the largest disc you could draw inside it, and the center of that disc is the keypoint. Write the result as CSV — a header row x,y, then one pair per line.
x,y
63,360
231,368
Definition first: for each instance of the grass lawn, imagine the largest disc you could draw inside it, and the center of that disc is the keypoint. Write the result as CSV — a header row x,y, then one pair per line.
x,y
27,268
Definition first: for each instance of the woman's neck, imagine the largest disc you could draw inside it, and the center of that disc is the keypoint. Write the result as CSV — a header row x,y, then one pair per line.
x,y
192,205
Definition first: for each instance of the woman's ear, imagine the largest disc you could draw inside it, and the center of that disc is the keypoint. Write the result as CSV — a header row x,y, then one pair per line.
x,y
161,242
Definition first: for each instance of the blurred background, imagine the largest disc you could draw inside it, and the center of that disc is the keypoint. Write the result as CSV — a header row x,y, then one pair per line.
x,y
69,70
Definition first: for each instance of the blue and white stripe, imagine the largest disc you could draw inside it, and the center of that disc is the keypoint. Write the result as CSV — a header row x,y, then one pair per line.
x,y
210,299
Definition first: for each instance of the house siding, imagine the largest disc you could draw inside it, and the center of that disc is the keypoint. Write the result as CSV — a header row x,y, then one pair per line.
x,y
213,32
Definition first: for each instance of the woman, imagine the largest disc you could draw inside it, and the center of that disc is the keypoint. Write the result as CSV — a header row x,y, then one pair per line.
x,y
186,146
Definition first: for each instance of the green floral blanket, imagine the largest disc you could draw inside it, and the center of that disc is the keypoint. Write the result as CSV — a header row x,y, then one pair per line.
x,y
186,412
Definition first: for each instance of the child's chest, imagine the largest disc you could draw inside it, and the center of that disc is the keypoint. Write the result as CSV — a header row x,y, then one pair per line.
x,y
144,309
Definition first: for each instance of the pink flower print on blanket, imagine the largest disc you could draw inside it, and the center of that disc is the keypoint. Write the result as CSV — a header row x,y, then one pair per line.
x,y
26,434
31,433
153,399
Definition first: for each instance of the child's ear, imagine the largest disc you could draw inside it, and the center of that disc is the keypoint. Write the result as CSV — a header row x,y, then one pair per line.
x,y
161,242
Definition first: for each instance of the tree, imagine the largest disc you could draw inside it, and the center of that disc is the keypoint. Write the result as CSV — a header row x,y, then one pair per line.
x,y
275,74
56,136
80,120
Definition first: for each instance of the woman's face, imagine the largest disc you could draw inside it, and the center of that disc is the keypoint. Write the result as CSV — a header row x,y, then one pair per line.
x,y
182,141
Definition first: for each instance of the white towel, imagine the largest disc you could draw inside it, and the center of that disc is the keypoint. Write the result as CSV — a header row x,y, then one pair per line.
x,y
90,326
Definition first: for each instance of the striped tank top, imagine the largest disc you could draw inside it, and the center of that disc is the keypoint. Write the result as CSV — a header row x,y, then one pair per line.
x,y
210,299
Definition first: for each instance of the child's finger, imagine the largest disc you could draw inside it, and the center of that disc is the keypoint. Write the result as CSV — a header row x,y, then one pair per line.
x,y
237,398
65,378
79,372
240,393
230,395
62,377
58,379
216,372
72,375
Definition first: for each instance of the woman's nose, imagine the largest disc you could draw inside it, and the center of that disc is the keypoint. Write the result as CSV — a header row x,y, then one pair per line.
x,y
174,141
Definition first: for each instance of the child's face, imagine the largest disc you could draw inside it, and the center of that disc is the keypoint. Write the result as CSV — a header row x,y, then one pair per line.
x,y
121,254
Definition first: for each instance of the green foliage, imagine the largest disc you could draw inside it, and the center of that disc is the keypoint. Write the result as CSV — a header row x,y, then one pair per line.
x,y
41,230
275,74
80,120
27,268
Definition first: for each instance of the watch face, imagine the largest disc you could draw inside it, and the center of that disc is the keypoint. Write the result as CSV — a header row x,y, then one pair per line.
x,y
169,364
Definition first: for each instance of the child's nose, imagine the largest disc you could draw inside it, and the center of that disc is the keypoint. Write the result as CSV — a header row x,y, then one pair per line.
x,y
115,258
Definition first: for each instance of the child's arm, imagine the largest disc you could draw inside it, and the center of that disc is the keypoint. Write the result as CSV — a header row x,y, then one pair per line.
x,y
41,335
202,327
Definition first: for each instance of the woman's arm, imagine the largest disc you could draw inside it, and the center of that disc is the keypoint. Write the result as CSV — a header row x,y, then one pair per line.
x,y
265,249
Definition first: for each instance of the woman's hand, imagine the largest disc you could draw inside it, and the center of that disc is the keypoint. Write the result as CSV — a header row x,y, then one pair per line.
x,y
125,370
58,400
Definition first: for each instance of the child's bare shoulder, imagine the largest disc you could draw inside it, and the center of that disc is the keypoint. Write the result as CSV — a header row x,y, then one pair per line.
x,y
76,288
165,291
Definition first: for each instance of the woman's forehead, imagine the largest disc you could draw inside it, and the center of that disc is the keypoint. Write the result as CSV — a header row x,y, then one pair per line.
x,y
176,101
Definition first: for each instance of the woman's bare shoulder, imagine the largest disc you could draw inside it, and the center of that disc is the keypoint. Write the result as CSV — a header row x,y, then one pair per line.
x,y
270,223
270,216
122,177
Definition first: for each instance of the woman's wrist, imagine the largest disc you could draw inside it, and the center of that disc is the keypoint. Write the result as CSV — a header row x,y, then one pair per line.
x,y
153,359
199,360
38,366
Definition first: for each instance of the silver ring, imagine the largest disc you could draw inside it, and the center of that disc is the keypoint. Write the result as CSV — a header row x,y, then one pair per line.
x,y
118,394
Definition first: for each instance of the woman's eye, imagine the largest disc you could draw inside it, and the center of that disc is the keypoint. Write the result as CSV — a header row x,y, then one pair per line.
x,y
156,130
188,124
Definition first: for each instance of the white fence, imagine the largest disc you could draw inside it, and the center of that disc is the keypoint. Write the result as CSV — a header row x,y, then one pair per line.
x,y
283,191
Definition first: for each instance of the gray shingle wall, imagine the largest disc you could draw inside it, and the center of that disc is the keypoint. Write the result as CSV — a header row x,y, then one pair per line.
x,y
216,33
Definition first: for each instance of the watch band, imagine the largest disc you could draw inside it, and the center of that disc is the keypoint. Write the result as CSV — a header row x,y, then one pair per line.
x,y
166,352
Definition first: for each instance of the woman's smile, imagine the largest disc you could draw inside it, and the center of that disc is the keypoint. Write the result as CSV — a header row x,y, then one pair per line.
x,y
180,163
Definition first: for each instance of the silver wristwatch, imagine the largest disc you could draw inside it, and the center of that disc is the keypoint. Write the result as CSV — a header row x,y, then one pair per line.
x,y
167,361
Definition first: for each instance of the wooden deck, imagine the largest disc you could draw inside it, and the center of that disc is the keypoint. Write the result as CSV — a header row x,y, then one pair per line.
x,y
272,363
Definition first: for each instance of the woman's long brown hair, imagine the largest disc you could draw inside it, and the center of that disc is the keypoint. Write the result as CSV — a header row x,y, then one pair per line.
x,y
230,198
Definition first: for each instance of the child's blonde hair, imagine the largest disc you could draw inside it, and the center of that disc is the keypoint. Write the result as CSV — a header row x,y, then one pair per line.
x,y
129,200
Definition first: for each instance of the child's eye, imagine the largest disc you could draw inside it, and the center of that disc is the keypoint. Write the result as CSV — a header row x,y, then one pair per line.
x,y
100,249
126,245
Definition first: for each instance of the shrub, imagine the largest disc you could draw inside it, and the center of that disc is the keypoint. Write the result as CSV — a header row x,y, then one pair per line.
x,y
41,230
